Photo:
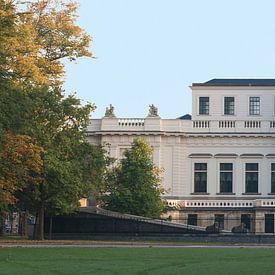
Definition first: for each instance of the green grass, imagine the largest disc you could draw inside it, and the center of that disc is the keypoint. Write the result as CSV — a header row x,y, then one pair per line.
x,y
137,261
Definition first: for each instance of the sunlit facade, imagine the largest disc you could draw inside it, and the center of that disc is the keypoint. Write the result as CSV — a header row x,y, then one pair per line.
x,y
219,163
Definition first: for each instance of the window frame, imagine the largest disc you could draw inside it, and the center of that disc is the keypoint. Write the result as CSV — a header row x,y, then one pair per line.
x,y
207,109
224,106
192,217
226,171
272,177
250,172
200,171
250,107
219,218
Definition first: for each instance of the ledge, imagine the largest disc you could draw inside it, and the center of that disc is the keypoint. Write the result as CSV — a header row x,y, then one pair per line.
x,y
249,194
199,193
272,194
224,194
200,155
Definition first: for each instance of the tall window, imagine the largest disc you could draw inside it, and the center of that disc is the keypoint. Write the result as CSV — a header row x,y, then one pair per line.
x,y
246,220
229,105
219,219
192,219
251,177
204,105
272,177
200,176
254,105
226,177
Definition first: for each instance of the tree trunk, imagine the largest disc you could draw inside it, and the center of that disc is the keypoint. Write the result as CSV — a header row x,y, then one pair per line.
x,y
41,222
26,224
1,224
35,229
50,227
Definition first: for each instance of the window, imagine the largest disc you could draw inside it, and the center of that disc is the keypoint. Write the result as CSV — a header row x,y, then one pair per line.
x,y
200,177
219,219
192,219
254,105
226,177
246,221
269,223
204,106
272,177
229,105
251,177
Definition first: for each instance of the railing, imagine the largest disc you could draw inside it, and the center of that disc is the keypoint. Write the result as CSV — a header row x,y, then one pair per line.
x,y
201,123
267,203
220,203
227,124
252,124
131,122
118,215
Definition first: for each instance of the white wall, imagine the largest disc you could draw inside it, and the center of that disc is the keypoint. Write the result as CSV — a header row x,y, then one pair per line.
x,y
217,94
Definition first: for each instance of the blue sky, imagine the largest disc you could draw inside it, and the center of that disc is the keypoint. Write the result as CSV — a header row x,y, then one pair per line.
x,y
151,51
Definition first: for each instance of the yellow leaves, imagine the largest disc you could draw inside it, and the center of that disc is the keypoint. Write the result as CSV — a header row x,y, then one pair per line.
x,y
40,36
20,163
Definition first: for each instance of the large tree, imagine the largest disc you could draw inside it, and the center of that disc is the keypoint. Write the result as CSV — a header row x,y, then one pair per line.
x,y
134,184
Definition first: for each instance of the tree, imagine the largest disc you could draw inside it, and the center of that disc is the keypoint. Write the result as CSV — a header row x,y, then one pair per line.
x,y
72,168
35,37
134,184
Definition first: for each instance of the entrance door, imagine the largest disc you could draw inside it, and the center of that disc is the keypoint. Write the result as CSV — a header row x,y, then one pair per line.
x,y
269,223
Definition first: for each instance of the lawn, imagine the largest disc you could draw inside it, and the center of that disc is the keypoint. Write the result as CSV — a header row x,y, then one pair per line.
x,y
137,261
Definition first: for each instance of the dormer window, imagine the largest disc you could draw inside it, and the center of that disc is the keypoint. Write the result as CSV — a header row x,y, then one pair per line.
x,y
254,105
229,105
204,105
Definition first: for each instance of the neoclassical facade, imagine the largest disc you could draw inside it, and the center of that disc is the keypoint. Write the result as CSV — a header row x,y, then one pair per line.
x,y
219,163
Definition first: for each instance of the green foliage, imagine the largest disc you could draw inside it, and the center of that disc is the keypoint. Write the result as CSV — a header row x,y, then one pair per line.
x,y
71,165
134,184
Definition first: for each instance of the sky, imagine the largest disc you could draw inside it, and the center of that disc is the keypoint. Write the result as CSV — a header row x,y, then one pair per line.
x,y
151,51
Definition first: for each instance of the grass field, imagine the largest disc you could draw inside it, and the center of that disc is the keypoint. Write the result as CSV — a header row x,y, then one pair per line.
x,y
137,261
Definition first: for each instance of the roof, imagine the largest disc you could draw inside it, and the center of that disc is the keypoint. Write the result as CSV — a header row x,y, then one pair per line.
x,y
185,117
236,82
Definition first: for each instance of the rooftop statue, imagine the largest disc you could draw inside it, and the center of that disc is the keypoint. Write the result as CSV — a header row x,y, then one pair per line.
x,y
153,111
110,111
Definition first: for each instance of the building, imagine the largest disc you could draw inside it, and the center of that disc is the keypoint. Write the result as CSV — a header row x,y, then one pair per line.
x,y
219,164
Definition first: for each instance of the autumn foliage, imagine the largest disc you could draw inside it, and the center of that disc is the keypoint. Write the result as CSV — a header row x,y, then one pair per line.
x,y
20,163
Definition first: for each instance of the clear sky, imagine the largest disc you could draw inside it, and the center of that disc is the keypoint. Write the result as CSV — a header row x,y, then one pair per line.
x,y
151,51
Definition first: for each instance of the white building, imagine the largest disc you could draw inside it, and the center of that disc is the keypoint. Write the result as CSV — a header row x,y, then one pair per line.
x,y
219,165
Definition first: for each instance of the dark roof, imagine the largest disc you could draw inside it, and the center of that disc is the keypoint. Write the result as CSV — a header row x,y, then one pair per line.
x,y
236,82
185,117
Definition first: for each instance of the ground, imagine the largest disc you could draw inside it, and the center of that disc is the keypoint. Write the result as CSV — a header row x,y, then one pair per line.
x,y
138,259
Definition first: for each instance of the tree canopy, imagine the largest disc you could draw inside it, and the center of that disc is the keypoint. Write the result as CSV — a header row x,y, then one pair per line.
x,y
35,37
134,183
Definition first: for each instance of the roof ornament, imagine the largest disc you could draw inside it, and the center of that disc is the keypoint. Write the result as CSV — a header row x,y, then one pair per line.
x,y
153,111
110,111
